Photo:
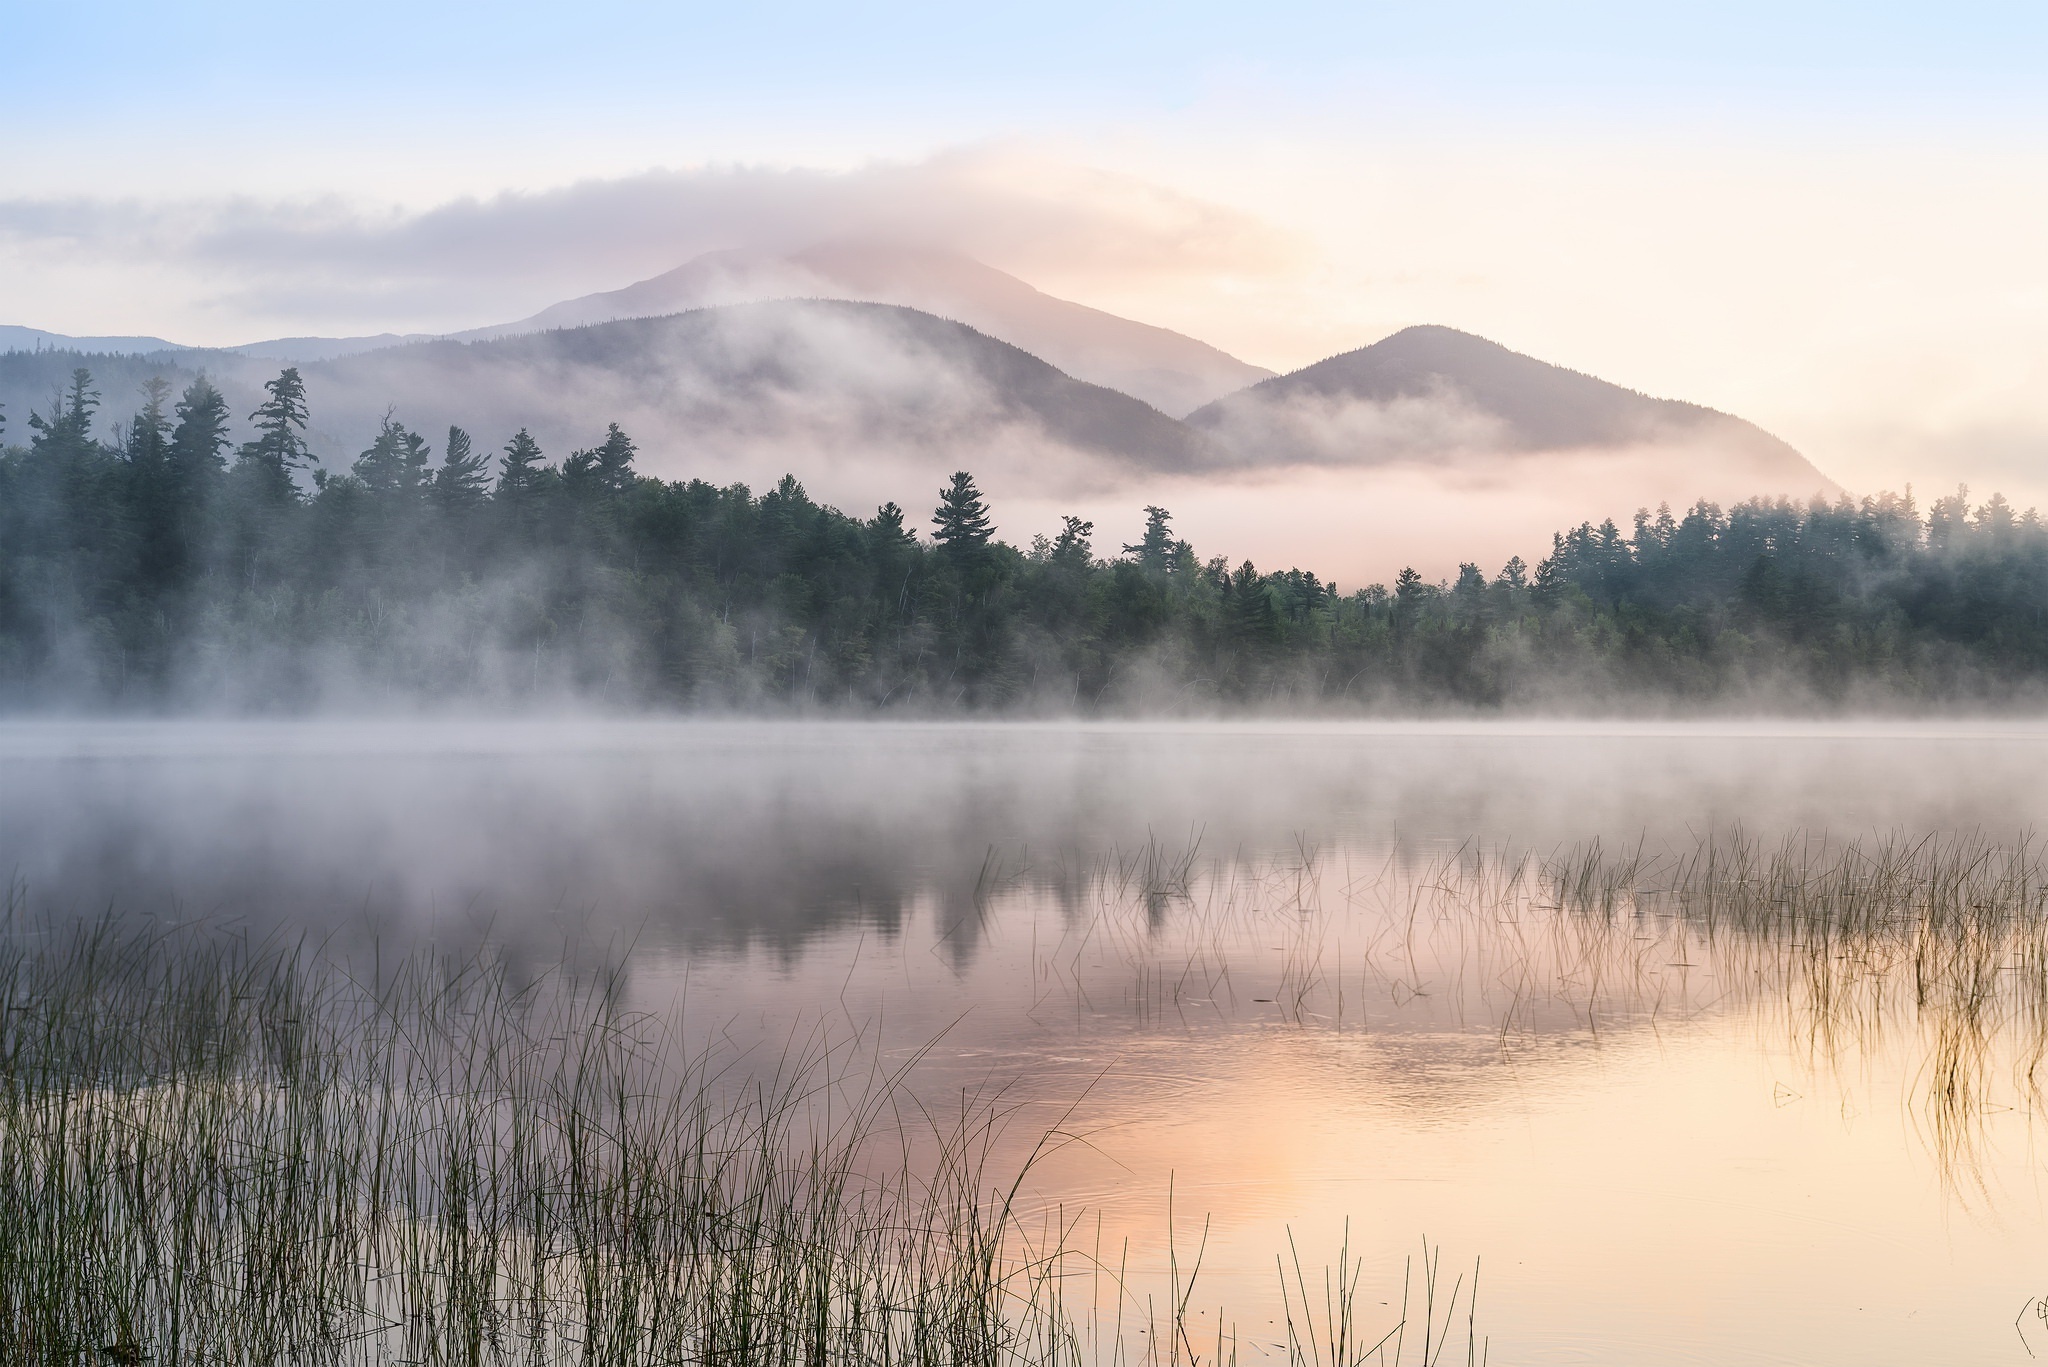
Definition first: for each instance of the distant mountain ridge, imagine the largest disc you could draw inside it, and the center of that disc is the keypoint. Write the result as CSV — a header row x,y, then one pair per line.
x,y
830,376
1435,388
1172,372
872,398
16,338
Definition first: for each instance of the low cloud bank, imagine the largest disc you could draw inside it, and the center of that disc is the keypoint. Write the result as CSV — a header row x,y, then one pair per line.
x,y
334,264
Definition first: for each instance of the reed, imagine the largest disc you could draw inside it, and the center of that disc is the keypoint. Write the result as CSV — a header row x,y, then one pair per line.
x,y
219,1151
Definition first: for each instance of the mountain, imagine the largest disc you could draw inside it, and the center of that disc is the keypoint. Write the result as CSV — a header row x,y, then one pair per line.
x,y
747,391
1171,372
1439,395
13,338
289,350
299,350
743,391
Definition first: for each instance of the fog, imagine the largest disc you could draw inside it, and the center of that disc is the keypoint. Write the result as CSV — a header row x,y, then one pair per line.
x,y
616,832
221,270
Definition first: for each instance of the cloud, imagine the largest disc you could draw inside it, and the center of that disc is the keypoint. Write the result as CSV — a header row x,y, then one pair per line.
x,y
310,263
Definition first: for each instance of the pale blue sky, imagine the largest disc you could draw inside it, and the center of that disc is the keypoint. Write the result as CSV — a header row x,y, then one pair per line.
x,y
1008,65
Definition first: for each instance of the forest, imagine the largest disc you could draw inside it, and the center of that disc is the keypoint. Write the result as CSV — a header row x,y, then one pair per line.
x,y
154,564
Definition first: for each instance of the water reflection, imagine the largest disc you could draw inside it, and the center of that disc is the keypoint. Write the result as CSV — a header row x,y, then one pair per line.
x,y
1619,1009
732,831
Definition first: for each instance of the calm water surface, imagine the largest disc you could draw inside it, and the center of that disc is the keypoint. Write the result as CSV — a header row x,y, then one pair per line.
x,y
1292,984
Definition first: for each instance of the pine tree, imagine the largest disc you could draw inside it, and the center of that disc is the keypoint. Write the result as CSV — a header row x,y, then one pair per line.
x,y
200,435
280,446
606,467
1154,550
1072,548
1249,607
463,477
394,462
886,531
962,519
522,470
160,561
615,460
67,434
148,444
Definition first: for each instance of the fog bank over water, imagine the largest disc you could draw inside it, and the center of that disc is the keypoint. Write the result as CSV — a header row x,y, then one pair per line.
x,y
1252,987
735,830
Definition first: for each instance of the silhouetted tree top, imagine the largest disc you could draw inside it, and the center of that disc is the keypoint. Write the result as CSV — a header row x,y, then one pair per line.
x,y
464,477
522,470
279,448
962,518
1154,549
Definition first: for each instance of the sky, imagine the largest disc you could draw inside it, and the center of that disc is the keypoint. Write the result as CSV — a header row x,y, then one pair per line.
x,y
1826,218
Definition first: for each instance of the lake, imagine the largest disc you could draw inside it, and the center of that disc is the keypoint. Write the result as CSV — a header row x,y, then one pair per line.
x,y
1704,1043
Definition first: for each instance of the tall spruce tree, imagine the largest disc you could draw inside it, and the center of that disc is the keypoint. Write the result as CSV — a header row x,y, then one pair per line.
x,y
151,475
197,440
66,435
148,447
1072,549
605,468
522,469
396,462
962,519
464,475
279,449
615,460
886,530
1154,549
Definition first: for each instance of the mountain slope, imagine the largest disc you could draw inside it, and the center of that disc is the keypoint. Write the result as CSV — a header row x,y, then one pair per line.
x,y
1436,393
1171,372
752,388
14,338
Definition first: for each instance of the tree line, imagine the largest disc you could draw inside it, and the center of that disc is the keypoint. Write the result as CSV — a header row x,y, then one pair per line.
x,y
160,564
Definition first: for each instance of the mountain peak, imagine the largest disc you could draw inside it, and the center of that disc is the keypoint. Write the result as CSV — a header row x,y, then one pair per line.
x,y
1434,392
1171,372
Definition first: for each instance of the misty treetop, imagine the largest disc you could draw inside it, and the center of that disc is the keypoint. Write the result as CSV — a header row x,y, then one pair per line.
x,y
154,563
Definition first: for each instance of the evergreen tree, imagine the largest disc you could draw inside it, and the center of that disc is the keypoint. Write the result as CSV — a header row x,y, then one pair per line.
x,y
67,434
1249,612
1154,550
962,519
152,477
615,460
149,436
522,469
1072,549
279,448
464,476
604,468
201,434
396,462
886,531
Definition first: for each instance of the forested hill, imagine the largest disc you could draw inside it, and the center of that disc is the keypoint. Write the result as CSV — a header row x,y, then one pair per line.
x,y
167,569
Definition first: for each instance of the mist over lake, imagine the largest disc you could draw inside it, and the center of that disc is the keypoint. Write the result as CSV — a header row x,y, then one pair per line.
x,y
1294,988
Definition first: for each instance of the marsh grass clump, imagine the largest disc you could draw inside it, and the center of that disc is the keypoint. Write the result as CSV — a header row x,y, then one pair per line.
x,y
213,1151
1943,937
